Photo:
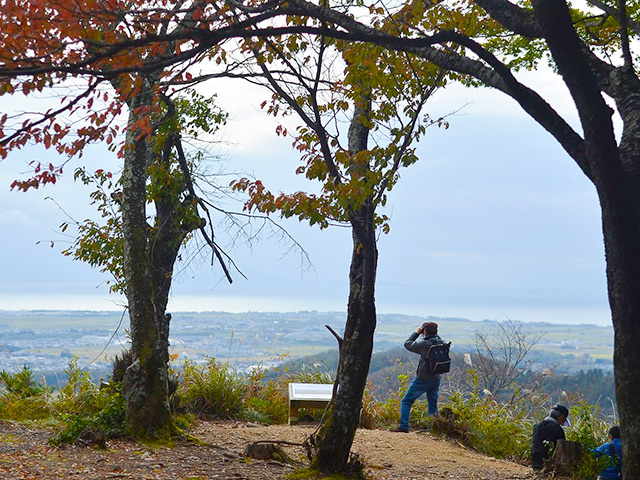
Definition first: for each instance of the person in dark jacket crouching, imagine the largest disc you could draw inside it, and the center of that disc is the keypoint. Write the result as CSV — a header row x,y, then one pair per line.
x,y
425,381
548,432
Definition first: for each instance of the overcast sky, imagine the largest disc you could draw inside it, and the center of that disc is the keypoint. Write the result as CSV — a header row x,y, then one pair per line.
x,y
494,221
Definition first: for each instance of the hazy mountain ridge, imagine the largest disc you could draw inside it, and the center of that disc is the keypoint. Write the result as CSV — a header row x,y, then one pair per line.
x,y
569,379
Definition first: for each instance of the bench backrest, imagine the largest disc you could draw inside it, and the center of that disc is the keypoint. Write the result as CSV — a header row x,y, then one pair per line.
x,y
310,391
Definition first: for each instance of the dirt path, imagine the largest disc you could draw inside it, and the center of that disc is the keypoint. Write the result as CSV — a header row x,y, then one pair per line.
x,y
387,456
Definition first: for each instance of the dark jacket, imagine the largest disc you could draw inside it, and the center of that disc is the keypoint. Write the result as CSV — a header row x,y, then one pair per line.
x,y
548,430
420,344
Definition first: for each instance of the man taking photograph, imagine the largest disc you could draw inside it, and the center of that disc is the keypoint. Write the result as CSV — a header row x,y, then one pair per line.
x,y
426,380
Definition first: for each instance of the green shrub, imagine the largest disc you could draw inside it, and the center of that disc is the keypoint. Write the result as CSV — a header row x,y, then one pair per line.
x,y
316,373
383,414
587,427
23,384
376,414
212,389
21,398
499,430
266,411
16,408
77,397
590,431
105,419
268,401
87,411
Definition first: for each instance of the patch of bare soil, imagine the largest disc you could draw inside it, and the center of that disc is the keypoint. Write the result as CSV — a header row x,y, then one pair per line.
x,y
24,454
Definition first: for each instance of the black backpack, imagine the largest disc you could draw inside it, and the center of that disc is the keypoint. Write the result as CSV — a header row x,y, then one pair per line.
x,y
438,359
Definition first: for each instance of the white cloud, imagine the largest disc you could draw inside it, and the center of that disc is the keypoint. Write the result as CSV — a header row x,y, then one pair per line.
x,y
13,218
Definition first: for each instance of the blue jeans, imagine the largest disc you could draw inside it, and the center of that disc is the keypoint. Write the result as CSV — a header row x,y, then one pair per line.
x,y
431,387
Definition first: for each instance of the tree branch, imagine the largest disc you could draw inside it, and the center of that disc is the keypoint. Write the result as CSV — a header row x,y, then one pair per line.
x,y
513,17
312,123
408,132
50,115
567,50
340,342
631,24
488,70
187,176
624,34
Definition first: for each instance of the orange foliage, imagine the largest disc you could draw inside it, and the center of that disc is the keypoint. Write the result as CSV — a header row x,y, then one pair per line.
x,y
92,49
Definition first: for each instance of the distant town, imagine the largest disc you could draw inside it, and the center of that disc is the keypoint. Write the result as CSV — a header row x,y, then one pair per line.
x,y
47,340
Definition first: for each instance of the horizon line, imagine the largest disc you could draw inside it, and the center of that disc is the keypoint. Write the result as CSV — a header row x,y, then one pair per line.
x,y
284,312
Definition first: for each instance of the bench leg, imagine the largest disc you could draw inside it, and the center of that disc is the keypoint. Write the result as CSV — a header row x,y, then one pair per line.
x,y
293,412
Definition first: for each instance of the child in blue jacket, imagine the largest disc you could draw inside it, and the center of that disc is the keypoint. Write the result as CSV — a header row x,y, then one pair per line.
x,y
613,448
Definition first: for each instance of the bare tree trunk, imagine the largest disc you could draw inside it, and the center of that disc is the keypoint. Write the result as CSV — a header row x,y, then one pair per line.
x,y
621,224
335,437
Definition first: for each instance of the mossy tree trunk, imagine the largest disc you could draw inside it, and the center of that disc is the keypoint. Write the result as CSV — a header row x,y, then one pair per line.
x,y
149,256
145,384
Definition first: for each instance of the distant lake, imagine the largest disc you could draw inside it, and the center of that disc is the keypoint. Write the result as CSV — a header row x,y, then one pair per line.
x,y
586,312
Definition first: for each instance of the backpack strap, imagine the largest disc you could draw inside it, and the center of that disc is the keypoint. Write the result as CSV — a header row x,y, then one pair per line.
x,y
612,452
616,459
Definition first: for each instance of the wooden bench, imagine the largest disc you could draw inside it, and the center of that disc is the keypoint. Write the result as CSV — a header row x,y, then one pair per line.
x,y
308,395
